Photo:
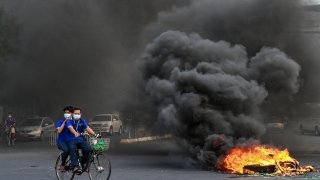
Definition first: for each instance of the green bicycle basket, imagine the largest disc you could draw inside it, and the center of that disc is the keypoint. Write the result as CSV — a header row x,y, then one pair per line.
x,y
100,146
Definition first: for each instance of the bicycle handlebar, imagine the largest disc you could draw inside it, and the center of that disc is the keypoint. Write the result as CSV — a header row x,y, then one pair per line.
x,y
86,133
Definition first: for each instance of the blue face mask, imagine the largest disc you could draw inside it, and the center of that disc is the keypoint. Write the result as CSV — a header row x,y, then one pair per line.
x,y
67,115
76,116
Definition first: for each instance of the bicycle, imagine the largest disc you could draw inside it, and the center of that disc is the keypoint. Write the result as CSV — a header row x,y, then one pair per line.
x,y
99,167
7,136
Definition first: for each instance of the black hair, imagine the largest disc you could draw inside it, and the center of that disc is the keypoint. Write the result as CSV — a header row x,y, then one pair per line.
x,y
76,108
68,108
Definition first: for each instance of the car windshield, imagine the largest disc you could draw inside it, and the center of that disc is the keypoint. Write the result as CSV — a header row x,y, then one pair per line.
x,y
102,118
32,122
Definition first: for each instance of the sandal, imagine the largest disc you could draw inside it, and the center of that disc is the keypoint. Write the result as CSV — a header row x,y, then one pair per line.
x,y
75,169
86,170
62,169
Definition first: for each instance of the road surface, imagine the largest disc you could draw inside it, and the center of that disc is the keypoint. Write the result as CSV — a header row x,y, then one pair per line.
x,y
158,161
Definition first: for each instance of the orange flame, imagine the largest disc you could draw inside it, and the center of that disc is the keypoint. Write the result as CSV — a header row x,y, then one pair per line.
x,y
240,157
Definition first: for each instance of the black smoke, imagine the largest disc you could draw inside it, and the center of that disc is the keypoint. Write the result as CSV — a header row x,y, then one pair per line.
x,y
201,87
73,52
253,24
217,69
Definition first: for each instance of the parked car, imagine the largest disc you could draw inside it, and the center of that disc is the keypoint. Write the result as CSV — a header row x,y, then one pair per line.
x,y
277,124
310,125
280,126
107,123
35,128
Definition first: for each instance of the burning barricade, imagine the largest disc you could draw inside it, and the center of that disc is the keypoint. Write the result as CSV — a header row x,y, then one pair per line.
x,y
249,157
258,159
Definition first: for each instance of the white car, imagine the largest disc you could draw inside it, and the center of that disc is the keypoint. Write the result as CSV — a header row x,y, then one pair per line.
x,y
107,123
35,128
276,127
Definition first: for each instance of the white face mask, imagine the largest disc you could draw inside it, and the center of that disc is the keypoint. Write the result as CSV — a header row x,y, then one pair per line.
x,y
10,116
67,115
76,116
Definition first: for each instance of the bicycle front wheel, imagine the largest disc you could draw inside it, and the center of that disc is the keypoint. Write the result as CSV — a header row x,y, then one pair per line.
x,y
9,143
63,175
100,168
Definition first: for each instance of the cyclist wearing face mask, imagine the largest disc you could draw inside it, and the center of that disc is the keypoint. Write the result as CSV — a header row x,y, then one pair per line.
x,y
77,126
62,133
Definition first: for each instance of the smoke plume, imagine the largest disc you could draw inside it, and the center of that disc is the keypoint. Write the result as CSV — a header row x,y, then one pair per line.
x,y
73,52
216,67
201,87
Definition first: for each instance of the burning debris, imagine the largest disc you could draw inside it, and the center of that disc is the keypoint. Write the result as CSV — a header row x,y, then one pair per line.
x,y
260,159
248,156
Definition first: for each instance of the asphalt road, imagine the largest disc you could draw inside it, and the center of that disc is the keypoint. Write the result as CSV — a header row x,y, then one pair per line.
x,y
157,161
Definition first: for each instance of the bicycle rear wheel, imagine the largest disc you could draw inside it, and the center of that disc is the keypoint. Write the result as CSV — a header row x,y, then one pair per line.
x,y
66,175
100,168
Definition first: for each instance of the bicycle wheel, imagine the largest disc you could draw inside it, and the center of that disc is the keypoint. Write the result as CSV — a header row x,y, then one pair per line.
x,y
66,175
12,141
100,168
9,140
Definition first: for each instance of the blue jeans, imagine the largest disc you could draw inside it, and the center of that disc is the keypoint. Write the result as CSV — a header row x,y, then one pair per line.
x,y
63,146
86,150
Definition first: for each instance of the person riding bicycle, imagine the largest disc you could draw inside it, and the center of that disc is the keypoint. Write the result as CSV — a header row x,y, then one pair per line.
x,y
62,131
10,125
77,126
